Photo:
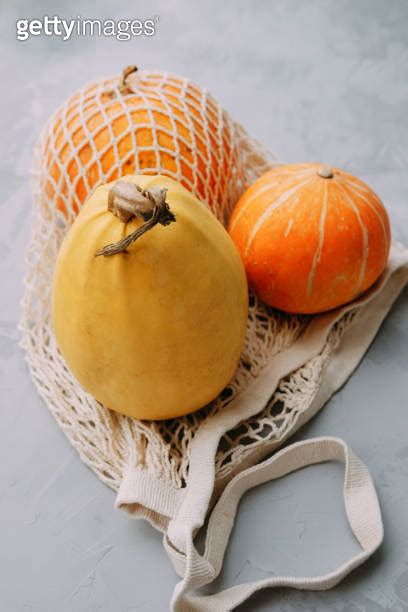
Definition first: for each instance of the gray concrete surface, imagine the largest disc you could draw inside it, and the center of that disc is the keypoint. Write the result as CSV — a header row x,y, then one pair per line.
x,y
319,80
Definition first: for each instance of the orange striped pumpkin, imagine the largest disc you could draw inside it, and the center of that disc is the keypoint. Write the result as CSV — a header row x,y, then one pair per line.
x,y
145,122
311,237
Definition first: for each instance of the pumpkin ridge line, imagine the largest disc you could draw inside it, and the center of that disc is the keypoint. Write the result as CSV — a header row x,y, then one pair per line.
x,y
375,211
358,186
261,191
364,193
319,249
283,199
364,233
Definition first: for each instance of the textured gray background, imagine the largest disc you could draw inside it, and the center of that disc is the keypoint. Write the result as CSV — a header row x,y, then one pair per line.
x,y
315,80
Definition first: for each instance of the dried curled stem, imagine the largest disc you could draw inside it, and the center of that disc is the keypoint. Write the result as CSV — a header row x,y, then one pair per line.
x,y
124,88
123,84
127,200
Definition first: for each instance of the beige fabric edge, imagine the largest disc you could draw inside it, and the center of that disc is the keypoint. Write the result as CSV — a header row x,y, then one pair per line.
x,y
144,496
361,505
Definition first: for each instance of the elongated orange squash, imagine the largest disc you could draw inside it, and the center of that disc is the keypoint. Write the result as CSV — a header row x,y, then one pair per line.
x,y
311,237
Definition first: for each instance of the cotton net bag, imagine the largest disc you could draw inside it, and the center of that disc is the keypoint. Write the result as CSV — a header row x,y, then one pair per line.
x,y
179,472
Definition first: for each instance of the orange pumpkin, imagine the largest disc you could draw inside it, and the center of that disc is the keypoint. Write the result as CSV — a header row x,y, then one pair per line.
x,y
142,123
311,237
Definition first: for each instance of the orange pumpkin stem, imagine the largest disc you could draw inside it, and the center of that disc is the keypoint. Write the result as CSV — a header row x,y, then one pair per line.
x,y
126,201
123,85
325,172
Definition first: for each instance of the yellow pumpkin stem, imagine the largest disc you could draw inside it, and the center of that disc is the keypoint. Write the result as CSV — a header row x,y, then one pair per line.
x,y
127,200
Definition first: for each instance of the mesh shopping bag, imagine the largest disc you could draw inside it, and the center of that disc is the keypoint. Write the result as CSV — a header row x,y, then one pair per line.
x,y
174,472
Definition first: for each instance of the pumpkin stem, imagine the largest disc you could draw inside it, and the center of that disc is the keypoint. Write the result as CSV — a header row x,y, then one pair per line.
x,y
127,200
325,172
123,85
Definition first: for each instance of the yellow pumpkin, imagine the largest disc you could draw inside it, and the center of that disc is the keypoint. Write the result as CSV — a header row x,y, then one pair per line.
x,y
156,331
